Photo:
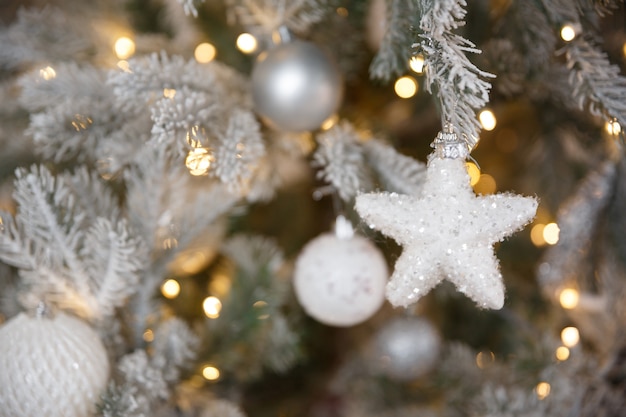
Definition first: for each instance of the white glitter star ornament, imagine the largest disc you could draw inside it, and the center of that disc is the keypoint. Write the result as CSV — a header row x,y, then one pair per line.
x,y
447,232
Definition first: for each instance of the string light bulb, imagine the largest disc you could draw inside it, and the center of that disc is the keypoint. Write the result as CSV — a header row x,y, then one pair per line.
x,y
212,307
569,298
612,127
205,53
487,119
569,32
124,47
542,390
170,289
210,373
551,233
330,122
570,336
198,161
405,87
246,43
47,73
536,235
562,353
416,63
474,172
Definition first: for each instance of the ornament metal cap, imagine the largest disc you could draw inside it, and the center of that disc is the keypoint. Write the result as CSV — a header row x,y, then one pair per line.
x,y
447,145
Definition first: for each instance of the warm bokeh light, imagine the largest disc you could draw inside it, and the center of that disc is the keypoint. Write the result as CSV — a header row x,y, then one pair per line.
x,y
568,33
246,43
486,185
204,52
624,49
342,11
484,359
542,390
330,122
220,284
536,235
551,233
569,298
261,308
169,92
474,172
210,373
612,127
416,63
170,289
487,119
570,336
124,47
148,335
212,307
124,66
405,87
199,161
191,262
562,353
47,73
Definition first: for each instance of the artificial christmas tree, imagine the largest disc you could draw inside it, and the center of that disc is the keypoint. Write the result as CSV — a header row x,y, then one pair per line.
x,y
171,209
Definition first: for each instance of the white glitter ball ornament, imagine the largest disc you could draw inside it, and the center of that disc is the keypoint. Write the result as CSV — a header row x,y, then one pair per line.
x,y
296,86
406,348
447,232
340,281
52,367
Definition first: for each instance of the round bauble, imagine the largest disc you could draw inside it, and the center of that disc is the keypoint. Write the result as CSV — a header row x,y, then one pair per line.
x,y
340,282
406,348
53,367
296,86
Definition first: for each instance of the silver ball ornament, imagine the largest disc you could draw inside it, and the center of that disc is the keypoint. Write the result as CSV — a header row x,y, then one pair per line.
x,y
340,281
406,348
53,367
296,86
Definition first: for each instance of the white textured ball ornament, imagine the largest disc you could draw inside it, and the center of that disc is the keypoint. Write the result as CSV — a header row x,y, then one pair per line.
x,y
340,282
406,348
296,86
53,367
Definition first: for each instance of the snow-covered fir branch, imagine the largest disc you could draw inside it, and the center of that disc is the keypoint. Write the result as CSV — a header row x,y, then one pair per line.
x,y
395,48
341,162
597,84
396,172
263,17
43,36
69,254
460,86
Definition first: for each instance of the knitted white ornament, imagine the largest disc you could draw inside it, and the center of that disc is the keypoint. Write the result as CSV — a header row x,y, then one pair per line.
x,y
53,367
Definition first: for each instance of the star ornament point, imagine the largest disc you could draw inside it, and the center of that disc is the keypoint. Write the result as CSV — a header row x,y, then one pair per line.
x,y
447,232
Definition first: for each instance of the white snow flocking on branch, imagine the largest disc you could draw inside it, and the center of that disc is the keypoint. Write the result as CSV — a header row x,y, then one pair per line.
x,y
396,172
341,162
112,261
459,84
63,259
262,17
238,150
597,84
394,51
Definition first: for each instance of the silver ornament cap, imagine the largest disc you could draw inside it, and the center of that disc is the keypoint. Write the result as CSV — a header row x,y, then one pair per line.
x,y
296,86
448,145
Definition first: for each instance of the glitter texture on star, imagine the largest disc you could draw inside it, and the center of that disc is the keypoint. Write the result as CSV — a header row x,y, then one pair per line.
x,y
446,233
